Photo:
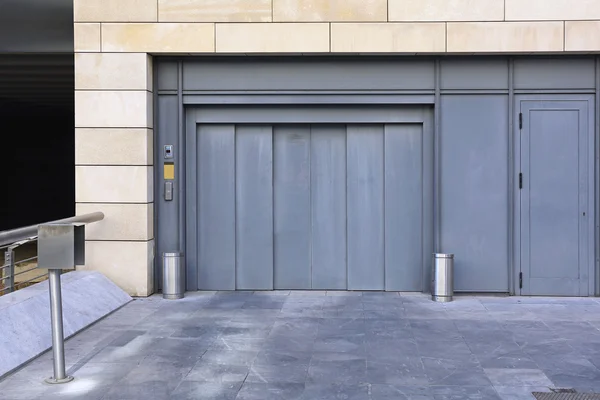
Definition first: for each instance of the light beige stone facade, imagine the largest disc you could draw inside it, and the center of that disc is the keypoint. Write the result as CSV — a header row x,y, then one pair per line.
x,y
87,37
388,38
110,146
123,222
504,37
127,263
113,184
113,71
582,36
272,38
446,10
116,39
155,38
552,10
215,11
329,11
115,10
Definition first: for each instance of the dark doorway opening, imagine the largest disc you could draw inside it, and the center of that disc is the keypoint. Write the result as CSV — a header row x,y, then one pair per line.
x,y
37,139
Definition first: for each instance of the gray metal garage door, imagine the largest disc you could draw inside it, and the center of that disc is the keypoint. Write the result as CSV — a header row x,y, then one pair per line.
x,y
300,206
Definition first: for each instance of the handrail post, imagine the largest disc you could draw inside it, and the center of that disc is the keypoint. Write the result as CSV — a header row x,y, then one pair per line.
x,y
9,260
58,340
60,247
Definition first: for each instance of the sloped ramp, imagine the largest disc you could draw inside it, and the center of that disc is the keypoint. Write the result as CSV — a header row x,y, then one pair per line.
x,y
25,314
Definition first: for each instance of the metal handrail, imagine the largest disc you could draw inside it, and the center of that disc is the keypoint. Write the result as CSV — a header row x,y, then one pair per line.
x,y
11,236
23,282
25,260
10,241
26,271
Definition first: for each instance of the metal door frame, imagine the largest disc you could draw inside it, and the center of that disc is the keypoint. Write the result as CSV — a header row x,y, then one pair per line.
x,y
344,113
592,204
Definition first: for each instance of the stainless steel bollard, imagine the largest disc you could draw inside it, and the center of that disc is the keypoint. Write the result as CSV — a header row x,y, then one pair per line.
x,y
173,276
442,277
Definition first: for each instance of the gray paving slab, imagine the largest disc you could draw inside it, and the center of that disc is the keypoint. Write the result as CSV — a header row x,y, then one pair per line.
x,y
327,345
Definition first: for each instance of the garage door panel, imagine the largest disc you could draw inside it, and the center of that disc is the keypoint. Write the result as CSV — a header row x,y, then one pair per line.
x,y
292,206
216,207
328,201
309,206
365,207
254,207
403,207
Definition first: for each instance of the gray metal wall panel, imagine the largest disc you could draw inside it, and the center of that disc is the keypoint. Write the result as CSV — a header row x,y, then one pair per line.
x,y
167,211
466,73
365,207
328,200
403,207
216,207
429,201
167,75
553,182
254,207
304,74
190,241
225,98
286,74
291,176
553,188
289,114
474,189
554,74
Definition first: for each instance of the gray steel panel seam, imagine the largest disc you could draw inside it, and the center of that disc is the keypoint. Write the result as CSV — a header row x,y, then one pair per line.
x,y
383,207
181,159
436,159
310,187
235,196
295,114
427,115
474,91
306,99
346,200
596,290
512,265
191,208
554,91
254,92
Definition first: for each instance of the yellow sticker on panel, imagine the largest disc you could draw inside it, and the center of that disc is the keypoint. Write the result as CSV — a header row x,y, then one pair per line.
x,y
169,171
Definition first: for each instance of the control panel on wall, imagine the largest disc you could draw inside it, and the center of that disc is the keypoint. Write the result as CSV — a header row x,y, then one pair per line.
x,y
168,172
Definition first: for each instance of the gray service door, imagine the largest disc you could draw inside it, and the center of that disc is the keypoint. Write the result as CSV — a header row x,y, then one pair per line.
x,y
309,206
554,199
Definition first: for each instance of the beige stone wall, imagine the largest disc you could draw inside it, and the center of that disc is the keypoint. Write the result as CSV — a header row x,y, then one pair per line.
x,y
114,116
113,156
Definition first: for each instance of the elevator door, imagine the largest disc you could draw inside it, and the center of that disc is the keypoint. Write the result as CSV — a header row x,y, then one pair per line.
x,y
326,207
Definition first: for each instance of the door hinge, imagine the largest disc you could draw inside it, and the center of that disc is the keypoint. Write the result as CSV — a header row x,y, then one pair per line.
x,y
520,280
520,120
520,180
